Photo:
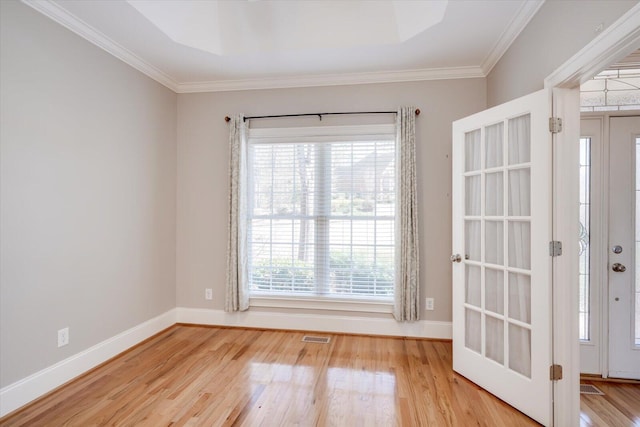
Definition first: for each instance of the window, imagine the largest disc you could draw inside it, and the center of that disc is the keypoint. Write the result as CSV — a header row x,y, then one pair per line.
x,y
585,248
321,212
637,248
611,90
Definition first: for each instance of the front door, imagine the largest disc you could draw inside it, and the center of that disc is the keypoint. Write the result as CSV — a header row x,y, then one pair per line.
x,y
502,301
624,247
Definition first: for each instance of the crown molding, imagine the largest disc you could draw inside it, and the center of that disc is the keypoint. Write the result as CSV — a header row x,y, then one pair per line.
x,y
89,33
333,79
518,23
60,15
617,41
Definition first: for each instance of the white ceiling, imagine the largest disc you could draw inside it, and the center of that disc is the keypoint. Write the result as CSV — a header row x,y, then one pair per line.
x,y
216,45
228,28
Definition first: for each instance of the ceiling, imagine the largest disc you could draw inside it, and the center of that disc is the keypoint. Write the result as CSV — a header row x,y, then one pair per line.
x,y
217,45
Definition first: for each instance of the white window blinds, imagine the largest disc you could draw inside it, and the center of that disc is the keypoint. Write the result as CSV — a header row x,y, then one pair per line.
x,y
321,211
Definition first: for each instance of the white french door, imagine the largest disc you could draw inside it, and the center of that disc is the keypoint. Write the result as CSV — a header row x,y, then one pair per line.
x,y
502,218
624,247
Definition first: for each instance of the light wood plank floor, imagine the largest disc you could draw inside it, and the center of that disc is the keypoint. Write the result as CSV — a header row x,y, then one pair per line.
x,y
201,376
619,407
221,377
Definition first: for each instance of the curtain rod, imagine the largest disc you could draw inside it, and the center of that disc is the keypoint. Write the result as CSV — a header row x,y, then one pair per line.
x,y
227,118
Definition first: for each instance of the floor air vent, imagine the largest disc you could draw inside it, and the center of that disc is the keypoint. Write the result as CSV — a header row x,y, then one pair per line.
x,y
319,340
590,389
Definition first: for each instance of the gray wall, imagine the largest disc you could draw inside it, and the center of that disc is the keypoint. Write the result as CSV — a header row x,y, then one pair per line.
x,y
558,31
87,194
203,168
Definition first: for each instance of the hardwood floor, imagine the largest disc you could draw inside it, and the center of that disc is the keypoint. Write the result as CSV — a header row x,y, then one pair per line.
x,y
203,376
619,407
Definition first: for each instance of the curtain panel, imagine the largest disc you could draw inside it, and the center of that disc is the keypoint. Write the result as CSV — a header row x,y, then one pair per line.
x,y
406,292
237,292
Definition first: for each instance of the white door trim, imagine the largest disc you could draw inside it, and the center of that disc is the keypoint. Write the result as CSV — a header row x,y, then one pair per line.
x,y
616,42
566,348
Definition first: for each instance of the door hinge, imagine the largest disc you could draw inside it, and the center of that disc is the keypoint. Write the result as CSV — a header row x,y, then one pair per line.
x,y
555,124
555,248
555,372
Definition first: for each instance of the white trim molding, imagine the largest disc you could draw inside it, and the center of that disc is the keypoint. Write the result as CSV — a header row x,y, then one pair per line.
x,y
30,388
321,134
384,325
617,41
332,79
566,343
527,11
322,304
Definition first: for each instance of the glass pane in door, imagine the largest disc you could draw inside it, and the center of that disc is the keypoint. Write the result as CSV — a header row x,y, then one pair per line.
x,y
493,147
494,290
472,285
494,242
472,151
519,143
584,254
473,336
494,193
520,244
520,349
637,241
472,194
518,179
494,341
472,240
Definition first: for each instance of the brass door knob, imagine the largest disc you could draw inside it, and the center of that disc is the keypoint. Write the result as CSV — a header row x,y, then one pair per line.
x,y
618,268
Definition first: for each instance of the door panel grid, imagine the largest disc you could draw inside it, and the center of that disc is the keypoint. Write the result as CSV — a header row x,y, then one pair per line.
x,y
497,250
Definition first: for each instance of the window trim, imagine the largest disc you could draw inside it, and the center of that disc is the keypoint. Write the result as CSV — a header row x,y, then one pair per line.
x,y
319,134
362,305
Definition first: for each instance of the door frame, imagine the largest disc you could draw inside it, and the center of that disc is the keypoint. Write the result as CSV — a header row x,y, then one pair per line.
x,y
617,41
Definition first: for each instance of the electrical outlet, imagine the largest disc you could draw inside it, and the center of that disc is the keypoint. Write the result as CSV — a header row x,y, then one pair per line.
x,y
208,293
429,304
63,337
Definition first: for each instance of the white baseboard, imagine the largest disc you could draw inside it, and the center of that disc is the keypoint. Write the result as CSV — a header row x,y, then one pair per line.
x,y
30,388
321,323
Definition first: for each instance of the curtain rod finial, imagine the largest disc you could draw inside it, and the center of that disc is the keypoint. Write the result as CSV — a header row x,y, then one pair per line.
x,y
417,111
227,118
